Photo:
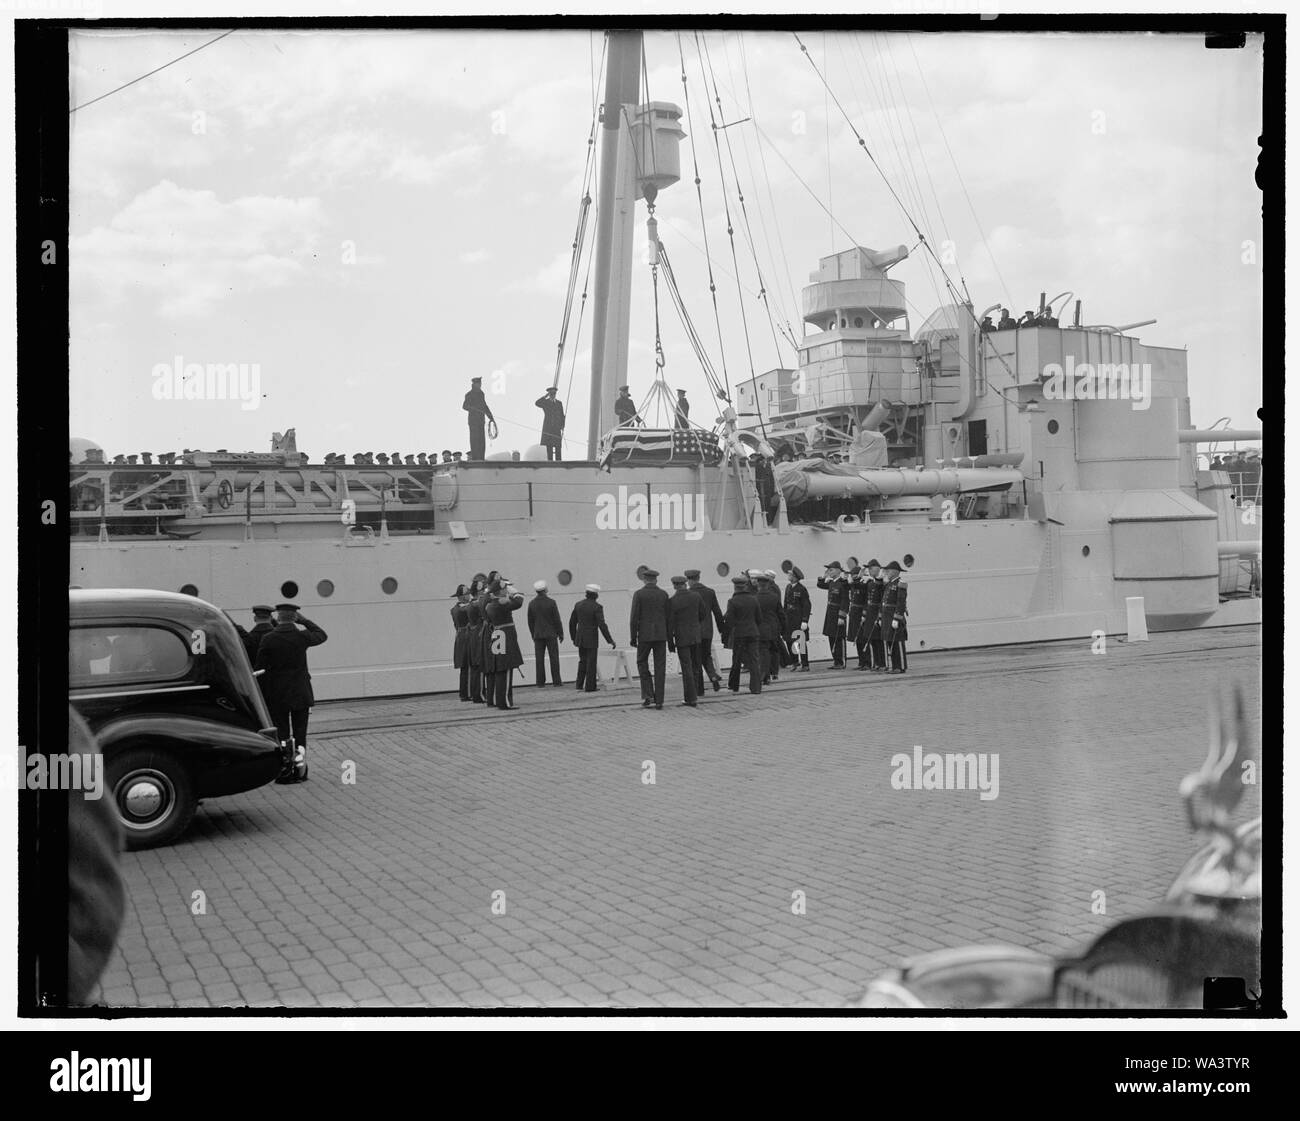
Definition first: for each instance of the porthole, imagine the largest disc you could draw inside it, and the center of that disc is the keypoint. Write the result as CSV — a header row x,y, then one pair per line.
x,y
908,560
1053,426
564,577
189,590
1087,551
388,586
786,565
289,589
640,571
325,589
724,569
857,321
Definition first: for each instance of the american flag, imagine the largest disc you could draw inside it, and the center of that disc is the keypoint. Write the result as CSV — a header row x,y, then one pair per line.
x,y
689,444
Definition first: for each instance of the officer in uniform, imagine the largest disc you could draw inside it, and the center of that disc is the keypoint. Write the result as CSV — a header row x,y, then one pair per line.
x,y
286,683
871,642
686,617
857,601
771,625
476,405
474,636
893,617
547,631
682,410
625,408
649,634
586,626
834,624
712,614
741,632
798,610
262,626
460,649
552,424
503,643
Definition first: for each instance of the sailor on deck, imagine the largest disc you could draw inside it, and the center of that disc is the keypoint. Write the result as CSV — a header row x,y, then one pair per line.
x,y
547,631
476,405
552,423
681,411
625,408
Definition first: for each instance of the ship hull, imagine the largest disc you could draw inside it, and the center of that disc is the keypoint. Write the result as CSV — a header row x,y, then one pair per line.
x,y
385,601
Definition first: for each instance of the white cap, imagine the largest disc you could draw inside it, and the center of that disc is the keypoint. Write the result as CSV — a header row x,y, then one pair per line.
x,y
539,586
770,572
593,587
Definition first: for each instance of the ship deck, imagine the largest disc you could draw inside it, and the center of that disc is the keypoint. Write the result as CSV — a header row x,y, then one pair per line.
x,y
620,894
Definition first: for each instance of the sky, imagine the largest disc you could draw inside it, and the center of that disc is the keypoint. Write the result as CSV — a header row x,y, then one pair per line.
x,y
371,218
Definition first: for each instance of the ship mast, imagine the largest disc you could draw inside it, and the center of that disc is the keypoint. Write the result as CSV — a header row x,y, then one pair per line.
x,y
612,308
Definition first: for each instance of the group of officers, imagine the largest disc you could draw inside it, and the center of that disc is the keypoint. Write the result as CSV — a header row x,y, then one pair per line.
x,y
764,629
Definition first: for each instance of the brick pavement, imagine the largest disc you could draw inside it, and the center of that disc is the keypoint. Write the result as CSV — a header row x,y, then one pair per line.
x,y
679,894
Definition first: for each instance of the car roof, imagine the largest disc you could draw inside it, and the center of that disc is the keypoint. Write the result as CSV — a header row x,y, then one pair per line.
x,y
150,602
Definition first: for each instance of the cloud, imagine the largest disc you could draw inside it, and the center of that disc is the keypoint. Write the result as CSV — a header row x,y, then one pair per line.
x,y
187,250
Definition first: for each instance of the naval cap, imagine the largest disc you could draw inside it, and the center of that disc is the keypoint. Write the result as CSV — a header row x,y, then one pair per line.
x,y
873,563
770,573
895,566
593,588
460,591
624,388
679,581
539,585
796,572
692,574
286,607
649,574
740,581
261,609
832,564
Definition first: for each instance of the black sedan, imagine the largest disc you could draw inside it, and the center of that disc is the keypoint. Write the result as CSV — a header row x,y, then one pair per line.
x,y
165,685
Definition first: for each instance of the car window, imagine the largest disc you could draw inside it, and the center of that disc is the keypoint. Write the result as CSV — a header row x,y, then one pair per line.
x,y
108,654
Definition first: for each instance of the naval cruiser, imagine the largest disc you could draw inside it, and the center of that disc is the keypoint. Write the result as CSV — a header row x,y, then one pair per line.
x,y
1038,481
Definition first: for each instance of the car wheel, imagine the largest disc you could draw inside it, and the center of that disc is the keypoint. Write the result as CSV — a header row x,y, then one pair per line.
x,y
153,796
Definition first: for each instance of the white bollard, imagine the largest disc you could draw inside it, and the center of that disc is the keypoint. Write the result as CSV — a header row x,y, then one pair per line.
x,y
1137,618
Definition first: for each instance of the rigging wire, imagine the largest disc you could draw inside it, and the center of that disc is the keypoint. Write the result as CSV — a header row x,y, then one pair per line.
x,y
726,210
699,195
155,70
988,248
744,213
767,179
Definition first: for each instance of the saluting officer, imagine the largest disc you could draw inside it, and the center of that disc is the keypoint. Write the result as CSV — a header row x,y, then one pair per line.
x,y
686,616
893,617
742,633
460,648
871,642
552,423
586,625
286,683
474,636
712,614
798,610
503,642
649,634
835,622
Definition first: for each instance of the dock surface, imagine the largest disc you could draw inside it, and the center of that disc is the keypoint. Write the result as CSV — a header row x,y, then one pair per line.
x,y
495,860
